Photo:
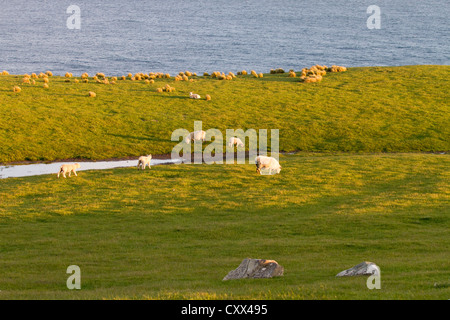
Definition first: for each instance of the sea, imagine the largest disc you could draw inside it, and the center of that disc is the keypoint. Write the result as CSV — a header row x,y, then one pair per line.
x,y
117,37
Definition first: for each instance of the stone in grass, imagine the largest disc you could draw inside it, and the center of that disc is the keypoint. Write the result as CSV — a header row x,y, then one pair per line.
x,y
255,268
362,269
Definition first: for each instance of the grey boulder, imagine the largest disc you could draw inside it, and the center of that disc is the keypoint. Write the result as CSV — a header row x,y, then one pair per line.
x,y
364,268
255,268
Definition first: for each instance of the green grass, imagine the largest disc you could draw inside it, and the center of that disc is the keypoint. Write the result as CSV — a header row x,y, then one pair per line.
x,y
365,186
371,109
173,232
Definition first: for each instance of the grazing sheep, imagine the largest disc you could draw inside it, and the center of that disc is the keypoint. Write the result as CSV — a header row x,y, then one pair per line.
x,y
45,85
17,89
5,73
267,162
92,94
196,135
235,141
49,73
208,97
194,95
68,168
143,161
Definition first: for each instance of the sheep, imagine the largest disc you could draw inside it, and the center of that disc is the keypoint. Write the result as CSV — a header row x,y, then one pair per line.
x,y
92,94
45,85
267,162
68,168
208,97
143,161
235,141
194,95
49,73
17,89
5,73
196,135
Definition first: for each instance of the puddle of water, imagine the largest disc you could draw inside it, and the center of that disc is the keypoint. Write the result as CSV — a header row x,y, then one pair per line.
x,y
53,168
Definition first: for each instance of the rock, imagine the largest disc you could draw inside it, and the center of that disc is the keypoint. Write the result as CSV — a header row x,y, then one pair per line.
x,y
364,268
255,268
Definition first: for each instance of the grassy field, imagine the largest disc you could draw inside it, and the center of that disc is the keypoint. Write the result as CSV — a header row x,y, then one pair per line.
x,y
365,178
173,232
376,109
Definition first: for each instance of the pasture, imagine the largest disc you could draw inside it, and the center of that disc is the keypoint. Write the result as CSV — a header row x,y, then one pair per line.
x,y
365,177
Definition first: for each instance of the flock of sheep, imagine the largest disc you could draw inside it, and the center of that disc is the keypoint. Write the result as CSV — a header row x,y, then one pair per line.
x,y
313,74
262,162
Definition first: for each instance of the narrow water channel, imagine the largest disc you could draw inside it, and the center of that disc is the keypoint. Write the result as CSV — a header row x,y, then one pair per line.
x,y
27,170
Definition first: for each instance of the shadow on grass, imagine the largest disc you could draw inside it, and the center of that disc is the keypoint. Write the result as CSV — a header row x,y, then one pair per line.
x,y
141,138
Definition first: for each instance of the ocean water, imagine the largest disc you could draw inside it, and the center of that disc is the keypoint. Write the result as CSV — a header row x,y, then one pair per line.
x,y
117,37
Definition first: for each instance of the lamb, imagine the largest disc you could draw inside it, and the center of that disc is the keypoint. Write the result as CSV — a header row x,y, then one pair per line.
x,y
143,161
235,141
267,162
196,135
194,95
68,168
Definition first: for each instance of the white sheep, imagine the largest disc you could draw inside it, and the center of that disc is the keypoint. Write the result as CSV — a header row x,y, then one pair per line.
x,y
235,141
267,162
143,161
196,135
194,95
68,168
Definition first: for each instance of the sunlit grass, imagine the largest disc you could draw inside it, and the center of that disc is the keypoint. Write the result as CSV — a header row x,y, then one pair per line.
x,y
173,232
370,109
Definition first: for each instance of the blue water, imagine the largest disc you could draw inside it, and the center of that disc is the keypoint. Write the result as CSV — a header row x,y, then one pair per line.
x,y
117,37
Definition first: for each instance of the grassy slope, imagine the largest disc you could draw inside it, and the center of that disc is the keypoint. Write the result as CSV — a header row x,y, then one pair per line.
x,y
176,231
377,109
